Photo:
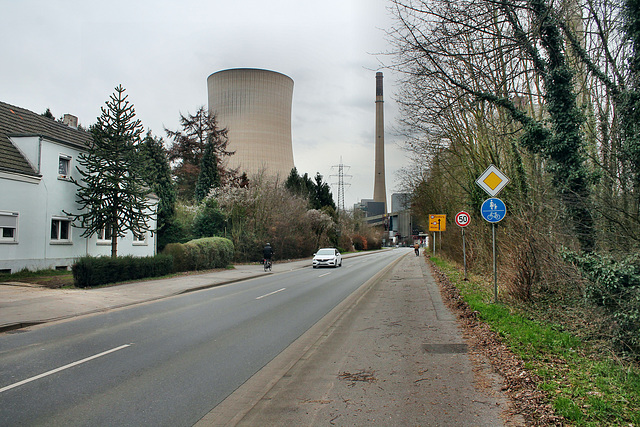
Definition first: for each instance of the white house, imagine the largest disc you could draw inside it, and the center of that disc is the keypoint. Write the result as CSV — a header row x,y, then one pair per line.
x,y
38,155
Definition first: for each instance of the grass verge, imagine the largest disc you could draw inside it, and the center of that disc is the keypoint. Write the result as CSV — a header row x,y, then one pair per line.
x,y
584,386
48,278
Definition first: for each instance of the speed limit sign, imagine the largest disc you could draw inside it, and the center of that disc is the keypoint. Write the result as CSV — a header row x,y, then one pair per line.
x,y
463,219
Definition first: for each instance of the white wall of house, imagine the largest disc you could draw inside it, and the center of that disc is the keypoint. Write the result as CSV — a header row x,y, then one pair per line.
x,y
37,206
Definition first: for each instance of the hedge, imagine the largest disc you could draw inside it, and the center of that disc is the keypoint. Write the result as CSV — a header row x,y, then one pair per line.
x,y
201,254
94,271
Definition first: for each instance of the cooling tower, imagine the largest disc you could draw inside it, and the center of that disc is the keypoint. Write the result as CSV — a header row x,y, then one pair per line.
x,y
255,106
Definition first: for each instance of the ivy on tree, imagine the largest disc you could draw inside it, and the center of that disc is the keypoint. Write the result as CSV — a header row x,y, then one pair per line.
x,y
112,195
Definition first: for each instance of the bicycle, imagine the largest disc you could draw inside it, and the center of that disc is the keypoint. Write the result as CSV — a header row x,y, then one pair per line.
x,y
494,215
267,264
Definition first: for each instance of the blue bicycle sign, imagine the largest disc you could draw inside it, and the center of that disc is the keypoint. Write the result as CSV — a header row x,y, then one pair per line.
x,y
493,210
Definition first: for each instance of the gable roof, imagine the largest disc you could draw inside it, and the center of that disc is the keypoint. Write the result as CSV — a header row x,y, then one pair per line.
x,y
16,121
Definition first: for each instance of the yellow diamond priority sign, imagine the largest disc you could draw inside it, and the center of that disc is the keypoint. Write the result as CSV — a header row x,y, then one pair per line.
x,y
492,181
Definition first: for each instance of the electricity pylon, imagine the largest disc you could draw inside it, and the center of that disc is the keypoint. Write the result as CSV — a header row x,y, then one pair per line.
x,y
341,184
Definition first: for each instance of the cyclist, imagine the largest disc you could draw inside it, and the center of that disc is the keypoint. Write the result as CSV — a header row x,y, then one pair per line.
x,y
267,253
416,248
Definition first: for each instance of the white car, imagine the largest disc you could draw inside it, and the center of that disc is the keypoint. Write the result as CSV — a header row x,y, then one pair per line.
x,y
329,257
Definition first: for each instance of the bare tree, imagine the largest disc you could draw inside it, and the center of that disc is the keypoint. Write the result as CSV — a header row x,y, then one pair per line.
x,y
531,84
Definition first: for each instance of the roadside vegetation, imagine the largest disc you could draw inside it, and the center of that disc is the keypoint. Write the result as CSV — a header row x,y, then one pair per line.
x,y
548,92
583,380
48,278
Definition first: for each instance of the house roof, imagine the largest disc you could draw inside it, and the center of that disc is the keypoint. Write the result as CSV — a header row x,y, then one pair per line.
x,y
16,121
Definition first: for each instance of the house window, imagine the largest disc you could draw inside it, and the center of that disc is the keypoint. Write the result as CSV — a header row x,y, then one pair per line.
x,y
8,227
104,234
64,166
60,230
140,238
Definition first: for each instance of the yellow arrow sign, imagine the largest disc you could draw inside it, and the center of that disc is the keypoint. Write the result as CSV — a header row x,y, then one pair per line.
x,y
437,222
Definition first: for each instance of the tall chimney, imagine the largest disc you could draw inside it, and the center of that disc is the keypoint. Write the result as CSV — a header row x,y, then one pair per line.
x,y
379,188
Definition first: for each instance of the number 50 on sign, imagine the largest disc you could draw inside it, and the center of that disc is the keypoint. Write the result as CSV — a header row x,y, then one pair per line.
x,y
463,219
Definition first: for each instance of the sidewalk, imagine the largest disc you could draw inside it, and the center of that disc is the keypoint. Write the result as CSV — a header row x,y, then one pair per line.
x,y
391,356
23,305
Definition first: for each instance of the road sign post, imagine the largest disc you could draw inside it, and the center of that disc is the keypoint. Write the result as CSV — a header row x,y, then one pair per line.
x,y
437,223
462,220
493,210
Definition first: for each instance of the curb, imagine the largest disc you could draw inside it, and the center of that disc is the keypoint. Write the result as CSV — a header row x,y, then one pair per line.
x,y
21,325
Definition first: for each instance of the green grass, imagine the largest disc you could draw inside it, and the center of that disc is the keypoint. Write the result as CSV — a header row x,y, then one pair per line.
x,y
585,387
27,274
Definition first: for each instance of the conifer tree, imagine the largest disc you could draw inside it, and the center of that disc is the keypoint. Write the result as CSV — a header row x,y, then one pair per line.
x,y
112,195
209,176
188,147
318,192
158,178
323,196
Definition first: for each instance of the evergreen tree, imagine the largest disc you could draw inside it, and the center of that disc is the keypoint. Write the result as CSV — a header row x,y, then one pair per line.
x,y
112,195
301,185
209,177
210,220
322,196
48,114
318,192
292,182
189,144
158,178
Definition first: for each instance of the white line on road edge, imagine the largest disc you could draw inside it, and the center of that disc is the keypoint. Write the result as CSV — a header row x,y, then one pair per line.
x,y
62,368
325,274
271,293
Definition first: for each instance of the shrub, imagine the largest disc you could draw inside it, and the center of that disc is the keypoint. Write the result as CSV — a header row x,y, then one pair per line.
x,y
345,243
359,242
373,242
179,254
201,254
614,285
94,271
209,221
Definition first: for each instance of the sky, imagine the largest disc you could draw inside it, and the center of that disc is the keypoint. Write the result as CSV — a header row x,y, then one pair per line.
x,y
69,55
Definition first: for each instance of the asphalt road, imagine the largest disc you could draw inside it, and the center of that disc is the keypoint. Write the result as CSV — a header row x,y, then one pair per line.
x,y
171,361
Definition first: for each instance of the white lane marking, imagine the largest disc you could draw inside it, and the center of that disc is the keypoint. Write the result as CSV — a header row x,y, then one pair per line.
x,y
62,368
325,274
271,293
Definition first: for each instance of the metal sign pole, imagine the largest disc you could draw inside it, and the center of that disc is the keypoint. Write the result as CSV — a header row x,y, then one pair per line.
x,y
495,266
434,243
464,255
493,210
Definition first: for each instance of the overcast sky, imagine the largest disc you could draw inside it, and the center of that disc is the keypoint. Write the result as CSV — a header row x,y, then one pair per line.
x,y
69,55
